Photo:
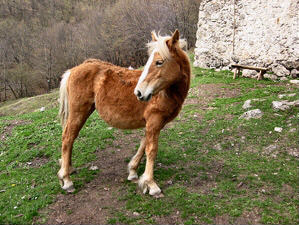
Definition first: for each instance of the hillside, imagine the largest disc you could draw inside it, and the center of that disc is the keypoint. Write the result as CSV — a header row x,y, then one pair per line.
x,y
213,166
31,104
41,39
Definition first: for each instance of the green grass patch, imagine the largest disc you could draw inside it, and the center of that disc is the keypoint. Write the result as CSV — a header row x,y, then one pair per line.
x,y
28,164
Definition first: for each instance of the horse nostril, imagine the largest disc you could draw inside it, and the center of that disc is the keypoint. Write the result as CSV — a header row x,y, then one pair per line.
x,y
149,97
138,94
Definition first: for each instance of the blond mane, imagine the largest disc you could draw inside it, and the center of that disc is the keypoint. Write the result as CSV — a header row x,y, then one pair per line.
x,y
161,46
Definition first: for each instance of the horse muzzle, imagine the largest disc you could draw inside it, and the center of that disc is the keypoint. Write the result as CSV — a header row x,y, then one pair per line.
x,y
142,97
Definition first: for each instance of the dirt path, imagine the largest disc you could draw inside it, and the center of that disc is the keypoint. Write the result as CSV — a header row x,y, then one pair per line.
x,y
97,200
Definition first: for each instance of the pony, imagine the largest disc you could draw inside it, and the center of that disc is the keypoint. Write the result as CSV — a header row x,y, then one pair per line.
x,y
126,99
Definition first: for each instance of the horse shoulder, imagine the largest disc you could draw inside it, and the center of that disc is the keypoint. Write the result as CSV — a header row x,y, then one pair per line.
x,y
163,105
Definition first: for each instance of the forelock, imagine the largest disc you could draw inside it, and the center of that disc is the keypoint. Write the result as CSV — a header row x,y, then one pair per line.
x,y
161,47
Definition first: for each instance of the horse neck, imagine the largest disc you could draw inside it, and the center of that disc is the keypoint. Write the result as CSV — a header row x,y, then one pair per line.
x,y
183,84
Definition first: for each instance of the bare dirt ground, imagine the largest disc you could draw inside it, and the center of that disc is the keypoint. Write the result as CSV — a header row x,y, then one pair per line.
x,y
95,202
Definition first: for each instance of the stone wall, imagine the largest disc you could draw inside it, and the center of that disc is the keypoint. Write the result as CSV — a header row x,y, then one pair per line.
x,y
256,33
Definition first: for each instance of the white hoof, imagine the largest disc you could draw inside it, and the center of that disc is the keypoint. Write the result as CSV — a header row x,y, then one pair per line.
x,y
68,186
132,176
155,190
65,182
146,185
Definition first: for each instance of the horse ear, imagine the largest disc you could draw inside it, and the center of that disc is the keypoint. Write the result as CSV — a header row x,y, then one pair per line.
x,y
175,36
154,36
173,40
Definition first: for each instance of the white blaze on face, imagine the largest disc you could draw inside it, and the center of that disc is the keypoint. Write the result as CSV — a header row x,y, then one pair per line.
x,y
145,71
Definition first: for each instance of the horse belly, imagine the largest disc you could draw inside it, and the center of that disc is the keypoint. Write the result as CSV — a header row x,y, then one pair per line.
x,y
117,119
120,108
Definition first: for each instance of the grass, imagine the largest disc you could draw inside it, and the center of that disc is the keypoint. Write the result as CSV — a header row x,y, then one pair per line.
x,y
27,186
238,181
30,104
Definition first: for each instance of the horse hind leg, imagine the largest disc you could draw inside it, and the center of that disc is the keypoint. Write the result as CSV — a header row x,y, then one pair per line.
x,y
134,163
75,121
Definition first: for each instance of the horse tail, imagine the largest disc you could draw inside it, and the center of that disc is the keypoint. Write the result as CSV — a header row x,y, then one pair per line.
x,y
63,98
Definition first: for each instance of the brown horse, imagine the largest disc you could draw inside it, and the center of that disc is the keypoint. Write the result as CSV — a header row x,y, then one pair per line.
x,y
160,88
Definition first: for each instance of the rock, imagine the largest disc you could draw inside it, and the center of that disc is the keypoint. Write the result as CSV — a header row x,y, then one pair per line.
x,y
136,214
294,81
249,73
284,79
42,109
280,105
270,149
218,147
294,103
280,70
130,68
294,73
294,152
278,129
169,182
291,64
286,95
240,184
93,168
283,105
292,130
259,99
255,113
270,76
19,215
247,104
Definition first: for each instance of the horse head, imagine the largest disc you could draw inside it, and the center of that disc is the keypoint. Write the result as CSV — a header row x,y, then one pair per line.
x,y
163,66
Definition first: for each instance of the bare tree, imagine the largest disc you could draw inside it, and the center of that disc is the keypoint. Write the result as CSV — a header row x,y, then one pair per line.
x,y
40,39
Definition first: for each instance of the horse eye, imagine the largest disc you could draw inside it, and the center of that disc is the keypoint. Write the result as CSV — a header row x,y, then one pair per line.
x,y
159,63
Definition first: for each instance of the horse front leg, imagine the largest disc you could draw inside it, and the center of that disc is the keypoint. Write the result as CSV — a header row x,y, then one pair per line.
x,y
72,169
146,181
134,163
